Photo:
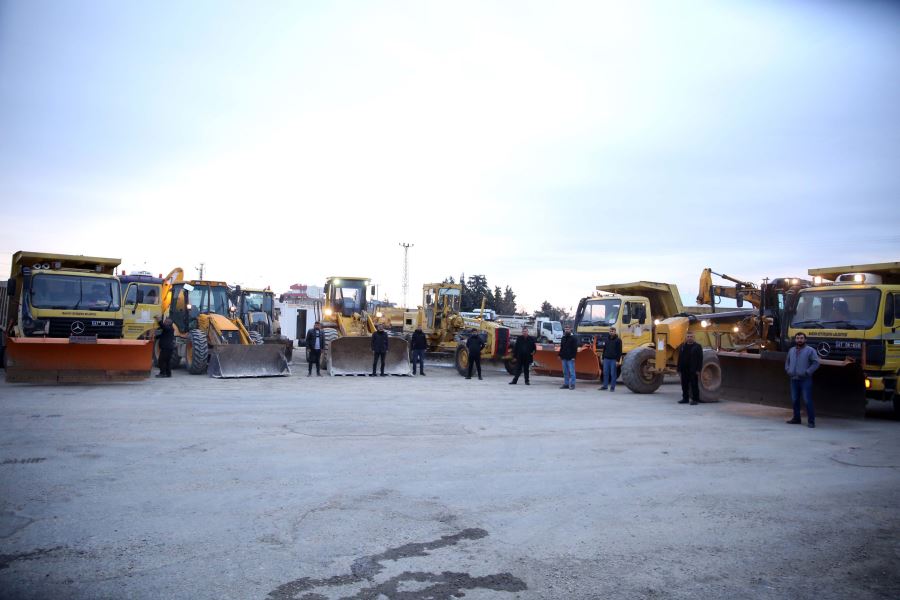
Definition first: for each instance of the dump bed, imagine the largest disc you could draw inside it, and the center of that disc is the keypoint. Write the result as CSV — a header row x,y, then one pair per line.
x,y
889,271
664,299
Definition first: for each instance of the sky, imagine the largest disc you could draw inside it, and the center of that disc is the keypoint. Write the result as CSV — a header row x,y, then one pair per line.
x,y
551,146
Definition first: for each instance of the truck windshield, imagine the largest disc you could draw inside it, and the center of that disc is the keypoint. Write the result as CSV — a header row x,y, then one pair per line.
x,y
209,299
350,296
73,292
557,326
451,296
836,309
254,301
598,313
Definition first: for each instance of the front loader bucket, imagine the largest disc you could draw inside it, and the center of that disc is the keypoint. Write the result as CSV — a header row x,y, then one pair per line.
x,y
247,360
58,360
838,388
353,356
547,362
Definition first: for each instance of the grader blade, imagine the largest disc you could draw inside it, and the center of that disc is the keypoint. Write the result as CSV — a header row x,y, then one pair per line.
x,y
60,360
547,362
838,387
247,360
353,356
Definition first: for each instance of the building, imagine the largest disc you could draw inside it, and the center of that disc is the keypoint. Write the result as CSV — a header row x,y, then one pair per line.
x,y
300,307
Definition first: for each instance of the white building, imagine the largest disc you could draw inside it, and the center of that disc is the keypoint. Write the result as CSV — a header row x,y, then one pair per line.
x,y
300,308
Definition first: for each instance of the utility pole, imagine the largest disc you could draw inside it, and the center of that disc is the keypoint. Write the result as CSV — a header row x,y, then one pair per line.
x,y
406,248
200,268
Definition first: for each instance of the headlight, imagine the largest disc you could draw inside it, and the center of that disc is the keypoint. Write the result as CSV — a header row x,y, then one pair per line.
x,y
328,312
189,307
868,383
656,321
379,314
704,323
735,329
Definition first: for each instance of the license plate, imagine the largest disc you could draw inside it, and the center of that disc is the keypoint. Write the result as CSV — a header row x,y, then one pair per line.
x,y
102,323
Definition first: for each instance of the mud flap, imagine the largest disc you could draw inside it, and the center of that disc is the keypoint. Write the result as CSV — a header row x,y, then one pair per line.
x,y
57,360
838,388
353,356
247,360
547,362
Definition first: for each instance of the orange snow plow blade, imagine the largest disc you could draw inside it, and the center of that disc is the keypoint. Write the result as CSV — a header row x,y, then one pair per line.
x,y
546,362
58,360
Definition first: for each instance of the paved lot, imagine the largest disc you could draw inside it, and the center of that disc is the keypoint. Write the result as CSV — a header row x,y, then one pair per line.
x,y
435,487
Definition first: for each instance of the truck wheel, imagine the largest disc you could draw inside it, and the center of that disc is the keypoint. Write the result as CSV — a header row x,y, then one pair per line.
x,y
511,365
256,337
710,377
175,361
197,352
545,340
462,360
155,362
329,334
637,371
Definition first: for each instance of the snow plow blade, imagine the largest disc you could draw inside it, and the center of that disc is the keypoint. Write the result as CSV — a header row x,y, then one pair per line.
x,y
547,362
353,356
248,360
60,360
838,387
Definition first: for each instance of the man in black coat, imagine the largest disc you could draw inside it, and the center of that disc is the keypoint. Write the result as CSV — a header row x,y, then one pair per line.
x,y
473,346
524,353
568,348
315,343
379,348
612,352
166,341
418,343
690,362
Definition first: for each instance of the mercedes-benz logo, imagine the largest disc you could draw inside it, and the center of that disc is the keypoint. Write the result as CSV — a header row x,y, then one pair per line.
x,y
824,349
77,327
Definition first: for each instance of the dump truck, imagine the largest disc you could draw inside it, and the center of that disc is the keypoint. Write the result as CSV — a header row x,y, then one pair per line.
x,y
446,329
632,308
141,307
348,329
851,314
256,310
209,336
64,322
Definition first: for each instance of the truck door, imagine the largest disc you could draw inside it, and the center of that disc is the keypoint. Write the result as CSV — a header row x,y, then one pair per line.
x,y
637,328
891,336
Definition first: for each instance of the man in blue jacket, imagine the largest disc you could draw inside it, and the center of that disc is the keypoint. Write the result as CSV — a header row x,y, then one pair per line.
x,y
802,361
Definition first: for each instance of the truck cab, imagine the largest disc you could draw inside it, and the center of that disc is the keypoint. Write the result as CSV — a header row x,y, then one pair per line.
x,y
851,314
141,304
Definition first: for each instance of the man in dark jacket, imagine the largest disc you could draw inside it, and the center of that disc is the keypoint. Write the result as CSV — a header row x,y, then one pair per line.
x,y
524,353
568,348
612,352
800,364
418,343
379,348
473,346
166,347
315,343
690,362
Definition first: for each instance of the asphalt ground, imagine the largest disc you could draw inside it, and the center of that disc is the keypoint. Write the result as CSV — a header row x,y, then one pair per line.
x,y
435,488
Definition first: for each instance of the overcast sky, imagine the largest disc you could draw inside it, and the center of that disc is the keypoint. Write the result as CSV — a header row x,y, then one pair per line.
x,y
551,146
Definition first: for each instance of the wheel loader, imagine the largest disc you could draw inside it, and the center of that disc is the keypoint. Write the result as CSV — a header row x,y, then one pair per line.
x,y
256,310
209,336
447,330
349,327
632,308
64,322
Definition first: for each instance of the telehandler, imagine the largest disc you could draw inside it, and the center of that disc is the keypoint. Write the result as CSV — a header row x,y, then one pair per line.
x,y
210,337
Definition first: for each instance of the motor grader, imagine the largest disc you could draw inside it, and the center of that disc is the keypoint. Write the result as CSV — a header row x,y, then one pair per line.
x,y
447,330
209,336
348,328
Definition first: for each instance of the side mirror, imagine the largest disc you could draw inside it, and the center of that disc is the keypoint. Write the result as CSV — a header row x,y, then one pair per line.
x,y
428,299
10,287
626,319
372,291
740,300
642,314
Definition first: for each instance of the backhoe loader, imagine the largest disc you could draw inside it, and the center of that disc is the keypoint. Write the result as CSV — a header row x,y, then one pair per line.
x,y
256,310
348,328
210,337
64,322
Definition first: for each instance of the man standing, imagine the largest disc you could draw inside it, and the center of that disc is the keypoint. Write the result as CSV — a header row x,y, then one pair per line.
x,y
690,362
315,342
568,348
419,344
379,348
802,361
612,352
524,353
473,346
166,346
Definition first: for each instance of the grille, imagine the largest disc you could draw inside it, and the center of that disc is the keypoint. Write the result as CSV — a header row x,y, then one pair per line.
x,y
102,328
838,349
502,341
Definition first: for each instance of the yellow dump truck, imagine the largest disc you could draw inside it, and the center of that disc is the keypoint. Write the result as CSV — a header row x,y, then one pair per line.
x,y
632,308
64,322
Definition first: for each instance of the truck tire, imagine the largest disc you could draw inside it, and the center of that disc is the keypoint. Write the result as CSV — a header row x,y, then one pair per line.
x,y
636,371
197,352
329,333
710,377
545,340
462,360
256,337
511,364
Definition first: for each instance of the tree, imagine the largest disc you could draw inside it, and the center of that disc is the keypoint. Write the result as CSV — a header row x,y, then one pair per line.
x,y
477,288
509,302
554,313
498,300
